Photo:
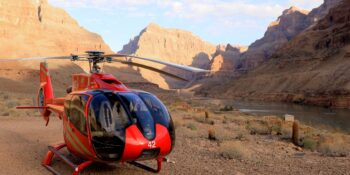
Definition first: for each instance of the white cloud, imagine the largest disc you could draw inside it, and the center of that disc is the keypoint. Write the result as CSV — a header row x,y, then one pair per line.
x,y
100,3
307,4
194,9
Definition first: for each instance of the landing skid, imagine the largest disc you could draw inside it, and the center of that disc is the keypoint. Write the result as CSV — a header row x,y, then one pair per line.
x,y
147,168
54,150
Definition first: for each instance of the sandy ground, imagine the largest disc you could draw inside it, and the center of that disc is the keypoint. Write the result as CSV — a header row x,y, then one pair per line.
x,y
23,143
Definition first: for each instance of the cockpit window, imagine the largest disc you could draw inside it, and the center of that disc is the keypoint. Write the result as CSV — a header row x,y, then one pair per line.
x,y
140,114
157,108
108,115
108,120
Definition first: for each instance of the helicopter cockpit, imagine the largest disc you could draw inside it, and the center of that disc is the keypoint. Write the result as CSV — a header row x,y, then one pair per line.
x,y
111,113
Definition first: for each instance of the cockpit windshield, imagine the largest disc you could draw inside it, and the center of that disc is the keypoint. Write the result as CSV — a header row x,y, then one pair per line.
x,y
111,113
140,114
108,120
107,116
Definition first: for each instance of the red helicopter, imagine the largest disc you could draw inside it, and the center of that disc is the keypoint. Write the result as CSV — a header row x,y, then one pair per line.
x,y
103,120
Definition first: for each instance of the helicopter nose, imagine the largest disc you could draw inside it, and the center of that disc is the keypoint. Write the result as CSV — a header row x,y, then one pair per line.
x,y
139,147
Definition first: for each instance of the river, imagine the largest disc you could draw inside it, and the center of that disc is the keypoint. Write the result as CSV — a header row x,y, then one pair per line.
x,y
330,119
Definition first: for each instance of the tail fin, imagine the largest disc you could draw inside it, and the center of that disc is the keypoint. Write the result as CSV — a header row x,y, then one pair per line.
x,y
46,92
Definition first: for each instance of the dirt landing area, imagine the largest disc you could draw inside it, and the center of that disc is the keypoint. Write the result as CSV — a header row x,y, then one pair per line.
x,y
24,141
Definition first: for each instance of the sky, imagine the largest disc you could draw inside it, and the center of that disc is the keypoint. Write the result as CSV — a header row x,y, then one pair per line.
x,y
238,22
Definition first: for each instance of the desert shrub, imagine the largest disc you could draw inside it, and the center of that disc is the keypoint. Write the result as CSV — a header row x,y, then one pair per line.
x,y
191,126
11,104
177,123
211,134
241,136
309,143
276,129
5,114
204,120
227,108
5,97
334,150
234,150
334,145
258,128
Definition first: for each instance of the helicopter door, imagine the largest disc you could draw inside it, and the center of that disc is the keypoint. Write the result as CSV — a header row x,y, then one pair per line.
x,y
76,131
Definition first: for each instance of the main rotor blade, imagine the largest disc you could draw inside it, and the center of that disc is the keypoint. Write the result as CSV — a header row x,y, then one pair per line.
x,y
179,66
152,69
40,58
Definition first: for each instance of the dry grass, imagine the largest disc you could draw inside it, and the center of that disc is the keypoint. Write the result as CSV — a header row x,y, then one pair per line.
x,y
309,143
191,126
334,145
234,150
230,129
11,103
286,131
256,127
177,122
204,120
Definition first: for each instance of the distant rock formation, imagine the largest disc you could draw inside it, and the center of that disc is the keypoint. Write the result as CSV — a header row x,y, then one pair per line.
x,y
35,28
318,13
173,45
291,23
323,39
311,68
226,59
178,46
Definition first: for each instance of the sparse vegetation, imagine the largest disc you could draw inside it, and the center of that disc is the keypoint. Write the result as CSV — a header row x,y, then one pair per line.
x,y
204,120
11,104
258,128
334,145
211,134
227,108
276,129
191,126
309,143
234,150
177,123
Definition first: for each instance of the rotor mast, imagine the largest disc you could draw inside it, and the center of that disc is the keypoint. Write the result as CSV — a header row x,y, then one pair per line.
x,y
94,58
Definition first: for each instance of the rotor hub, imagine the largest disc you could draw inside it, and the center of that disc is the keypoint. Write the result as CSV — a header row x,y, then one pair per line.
x,y
94,58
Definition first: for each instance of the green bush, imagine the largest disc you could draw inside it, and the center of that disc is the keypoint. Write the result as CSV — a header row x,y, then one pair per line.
x,y
310,143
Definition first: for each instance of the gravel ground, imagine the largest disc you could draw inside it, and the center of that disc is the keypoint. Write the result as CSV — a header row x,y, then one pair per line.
x,y
24,141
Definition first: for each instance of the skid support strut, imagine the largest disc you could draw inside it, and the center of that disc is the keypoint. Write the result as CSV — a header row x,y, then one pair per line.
x,y
147,168
54,151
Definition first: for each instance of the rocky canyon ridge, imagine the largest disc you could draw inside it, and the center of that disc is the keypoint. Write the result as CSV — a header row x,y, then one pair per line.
x,y
35,28
311,68
298,57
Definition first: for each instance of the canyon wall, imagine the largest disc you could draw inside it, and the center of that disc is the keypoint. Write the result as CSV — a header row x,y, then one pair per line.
x,y
173,45
35,28
312,68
